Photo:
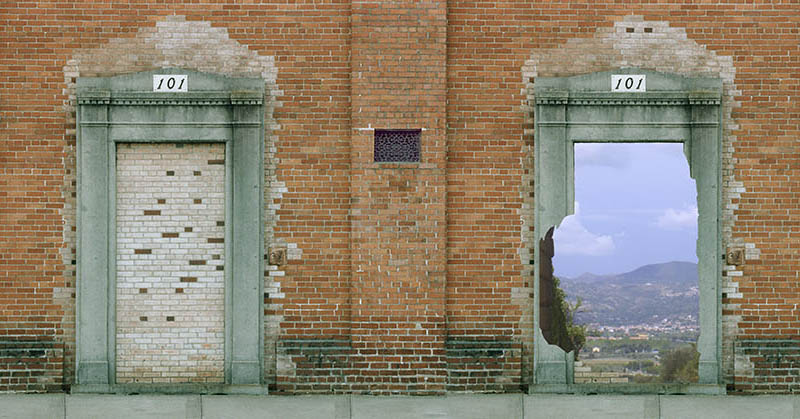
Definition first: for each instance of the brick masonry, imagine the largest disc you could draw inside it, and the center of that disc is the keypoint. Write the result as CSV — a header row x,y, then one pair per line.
x,y
170,263
31,365
397,273
767,365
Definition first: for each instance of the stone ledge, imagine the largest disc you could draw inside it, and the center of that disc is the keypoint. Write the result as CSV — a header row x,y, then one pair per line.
x,y
345,407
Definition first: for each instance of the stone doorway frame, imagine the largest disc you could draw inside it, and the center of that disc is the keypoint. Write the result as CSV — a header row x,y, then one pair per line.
x,y
674,109
126,109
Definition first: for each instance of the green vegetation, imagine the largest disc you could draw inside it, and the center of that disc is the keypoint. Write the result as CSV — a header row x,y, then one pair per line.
x,y
648,321
677,365
647,366
572,336
615,347
680,365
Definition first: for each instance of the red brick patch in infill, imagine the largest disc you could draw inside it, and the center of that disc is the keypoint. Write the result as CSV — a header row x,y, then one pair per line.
x,y
143,251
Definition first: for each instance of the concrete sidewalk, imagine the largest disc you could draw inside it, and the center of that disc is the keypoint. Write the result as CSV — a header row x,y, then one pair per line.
x,y
499,406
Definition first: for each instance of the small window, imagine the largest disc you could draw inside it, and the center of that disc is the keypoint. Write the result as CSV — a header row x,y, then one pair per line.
x,y
397,145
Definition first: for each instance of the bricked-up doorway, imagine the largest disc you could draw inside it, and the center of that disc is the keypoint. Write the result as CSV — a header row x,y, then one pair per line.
x,y
170,263
170,233
599,108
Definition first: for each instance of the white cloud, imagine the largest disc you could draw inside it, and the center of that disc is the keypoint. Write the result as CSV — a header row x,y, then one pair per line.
x,y
602,154
672,219
572,238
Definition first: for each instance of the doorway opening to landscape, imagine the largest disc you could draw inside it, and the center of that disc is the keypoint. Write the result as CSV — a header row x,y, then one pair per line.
x,y
657,108
625,266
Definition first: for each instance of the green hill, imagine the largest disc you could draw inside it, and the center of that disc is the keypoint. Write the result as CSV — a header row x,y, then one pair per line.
x,y
652,294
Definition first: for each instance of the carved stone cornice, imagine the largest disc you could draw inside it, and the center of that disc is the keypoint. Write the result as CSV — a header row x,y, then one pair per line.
x,y
612,99
169,99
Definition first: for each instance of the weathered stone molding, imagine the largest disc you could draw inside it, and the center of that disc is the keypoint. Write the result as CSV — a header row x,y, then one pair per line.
x,y
583,108
174,119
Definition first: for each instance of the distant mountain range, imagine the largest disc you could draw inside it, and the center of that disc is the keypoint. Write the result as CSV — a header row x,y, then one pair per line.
x,y
652,294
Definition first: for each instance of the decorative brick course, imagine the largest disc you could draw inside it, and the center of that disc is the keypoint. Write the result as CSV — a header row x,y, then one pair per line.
x,y
314,365
767,366
491,366
164,336
31,365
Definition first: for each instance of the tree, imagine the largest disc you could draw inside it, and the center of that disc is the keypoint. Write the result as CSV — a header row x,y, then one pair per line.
x,y
680,365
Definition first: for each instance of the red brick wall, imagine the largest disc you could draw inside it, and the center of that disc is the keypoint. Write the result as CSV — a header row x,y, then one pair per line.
x,y
398,223
489,281
405,278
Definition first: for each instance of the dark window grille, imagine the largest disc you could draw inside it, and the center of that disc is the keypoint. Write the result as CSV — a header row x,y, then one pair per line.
x,y
397,145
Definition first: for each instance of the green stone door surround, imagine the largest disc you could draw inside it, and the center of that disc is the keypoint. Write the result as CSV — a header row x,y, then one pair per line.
x,y
126,109
673,108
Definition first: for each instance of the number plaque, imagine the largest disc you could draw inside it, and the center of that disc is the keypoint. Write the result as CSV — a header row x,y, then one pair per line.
x,y
628,83
170,83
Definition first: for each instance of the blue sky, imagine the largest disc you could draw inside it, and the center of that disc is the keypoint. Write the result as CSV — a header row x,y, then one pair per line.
x,y
635,205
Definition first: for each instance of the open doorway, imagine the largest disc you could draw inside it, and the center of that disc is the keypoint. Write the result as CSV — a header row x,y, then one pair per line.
x,y
626,265
587,109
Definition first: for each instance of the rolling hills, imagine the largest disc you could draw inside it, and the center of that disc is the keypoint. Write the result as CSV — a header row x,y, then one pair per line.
x,y
652,294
